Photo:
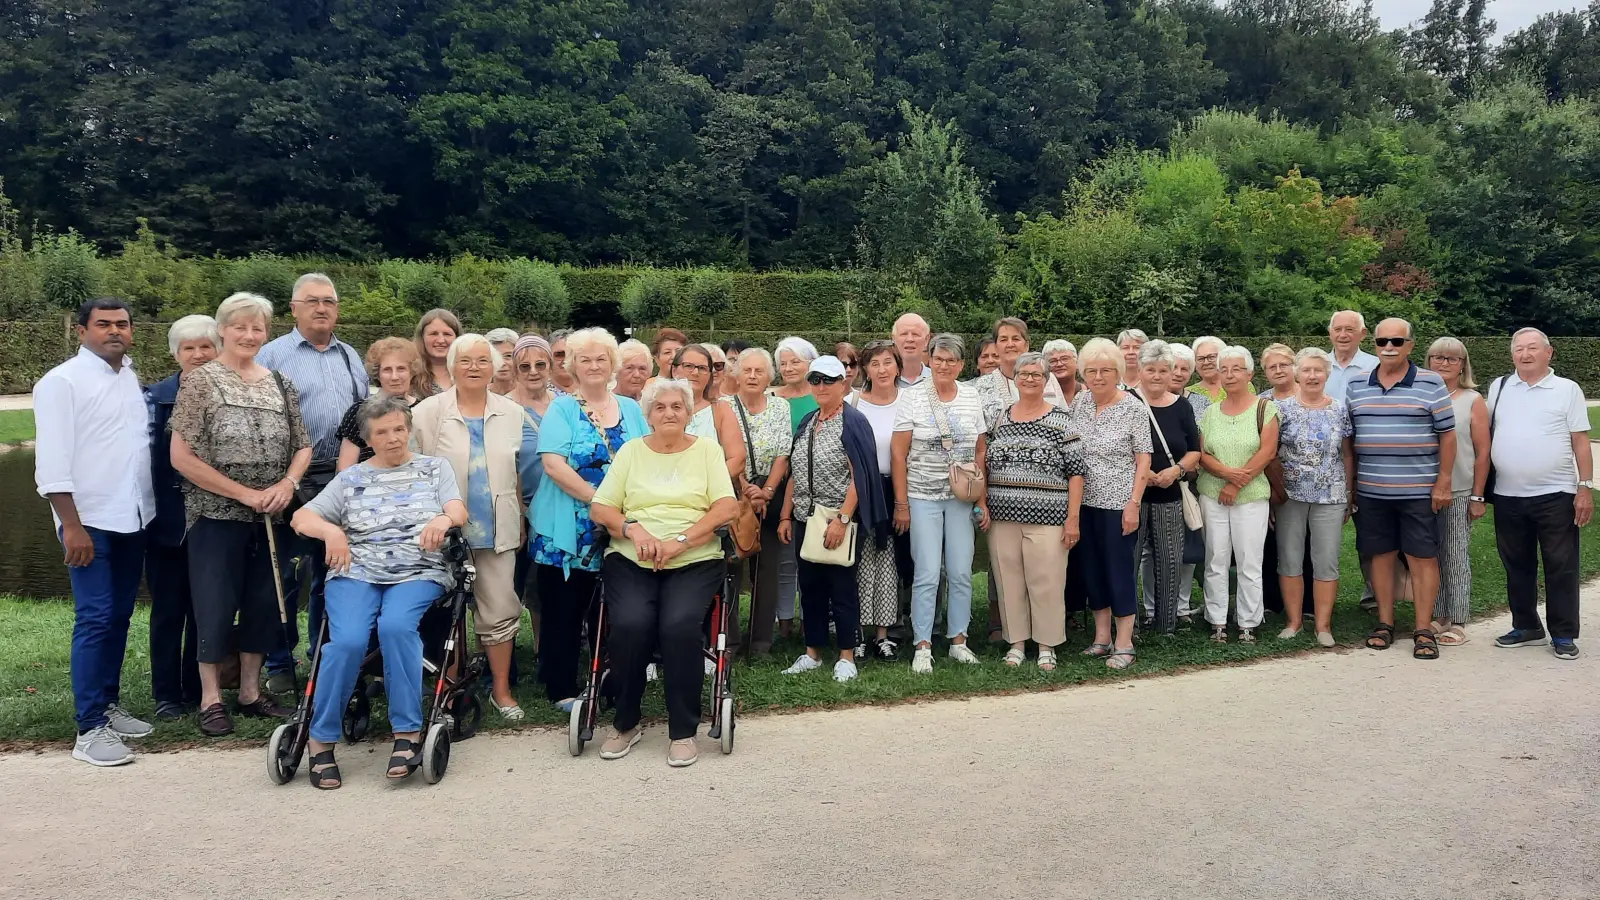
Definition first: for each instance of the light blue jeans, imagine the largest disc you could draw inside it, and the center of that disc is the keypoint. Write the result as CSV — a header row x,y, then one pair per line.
x,y
353,608
941,534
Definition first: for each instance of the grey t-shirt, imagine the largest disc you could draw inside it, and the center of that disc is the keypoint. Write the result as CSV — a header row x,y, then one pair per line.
x,y
383,511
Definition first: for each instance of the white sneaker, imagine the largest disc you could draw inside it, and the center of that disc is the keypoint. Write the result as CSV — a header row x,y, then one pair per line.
x,y
101,747
125,726
843,670
963,654
922,661
651,673
804,664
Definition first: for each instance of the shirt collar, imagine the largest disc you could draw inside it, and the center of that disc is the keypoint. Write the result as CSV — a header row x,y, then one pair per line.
x,y
1541,383
127,361
1407,381
298,339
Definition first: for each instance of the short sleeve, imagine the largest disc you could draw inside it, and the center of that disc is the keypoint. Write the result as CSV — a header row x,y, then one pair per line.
x,y
191,414
347,430
299,438
904,418
613,489
1272,413
1444,413
719,484
444,480
1191,430
329,502
1142,441
555,435
1346,427
1577,410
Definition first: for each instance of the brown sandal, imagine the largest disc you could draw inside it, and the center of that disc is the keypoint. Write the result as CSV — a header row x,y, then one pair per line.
x,y
1424,644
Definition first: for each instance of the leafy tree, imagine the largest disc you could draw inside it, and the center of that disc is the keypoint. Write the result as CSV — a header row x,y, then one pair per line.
x,y
1453,42
1560,51
265,274
69,270
534,293
710,295
376,306
648,298
1157,293
152,276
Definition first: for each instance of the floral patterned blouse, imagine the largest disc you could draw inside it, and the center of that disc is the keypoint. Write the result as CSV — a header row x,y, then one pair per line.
x,y
1311,450
590,461
770,432
240,429
1112,437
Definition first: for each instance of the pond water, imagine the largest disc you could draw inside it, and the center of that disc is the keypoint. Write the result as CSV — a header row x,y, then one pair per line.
x,y
30,555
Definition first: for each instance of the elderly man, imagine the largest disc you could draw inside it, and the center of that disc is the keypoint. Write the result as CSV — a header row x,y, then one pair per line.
x,y
330,375
1346,330
911,339
1543,472
1405,450
93,465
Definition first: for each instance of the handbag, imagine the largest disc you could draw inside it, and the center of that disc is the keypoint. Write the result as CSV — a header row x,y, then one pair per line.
x,y
1279,494
746,524
1498,389
1191,504
966,480
812,549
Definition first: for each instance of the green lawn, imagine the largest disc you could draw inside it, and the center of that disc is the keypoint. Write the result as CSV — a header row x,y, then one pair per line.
x,y
16,425
1594,423
36,699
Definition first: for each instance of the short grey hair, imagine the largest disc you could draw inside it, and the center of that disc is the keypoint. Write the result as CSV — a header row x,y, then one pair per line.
x,y
1182,353
560,334
312,278
502,336
755,353
1207,339
1057,345
633,347
652,392
949,343
799,346
1411,331
1031,358
193,328
1530,330
376,407
1132,334
1154,352
1236,352
244,304
1316,353
1361,321
470,341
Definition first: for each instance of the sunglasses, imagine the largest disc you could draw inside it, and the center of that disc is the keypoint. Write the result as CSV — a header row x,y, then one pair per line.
x,y
718,366
816,378
849,363
1390,342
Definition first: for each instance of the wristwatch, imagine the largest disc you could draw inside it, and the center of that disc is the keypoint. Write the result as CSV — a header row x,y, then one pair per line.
x,y
1588,484
844,519
682,539
1477,500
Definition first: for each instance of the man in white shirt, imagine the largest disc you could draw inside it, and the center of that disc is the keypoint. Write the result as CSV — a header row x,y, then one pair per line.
x,y
1543,477
910,335
92,462
1346,330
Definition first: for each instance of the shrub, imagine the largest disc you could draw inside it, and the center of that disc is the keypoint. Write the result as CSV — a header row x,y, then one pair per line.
x,y
535,294
152,276
376,306
648,298
471,282
419,285
266,274
69,270
711,295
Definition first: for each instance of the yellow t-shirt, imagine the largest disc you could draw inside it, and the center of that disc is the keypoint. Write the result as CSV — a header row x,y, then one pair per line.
x,y
666,493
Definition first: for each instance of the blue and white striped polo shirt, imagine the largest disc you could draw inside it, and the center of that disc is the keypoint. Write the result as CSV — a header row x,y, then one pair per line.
x,y
329,380
1397,433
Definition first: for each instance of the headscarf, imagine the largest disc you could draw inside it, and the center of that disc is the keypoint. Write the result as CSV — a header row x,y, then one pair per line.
x,y
535,342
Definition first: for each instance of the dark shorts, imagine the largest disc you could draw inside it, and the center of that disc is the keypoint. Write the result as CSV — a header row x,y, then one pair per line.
x,y
1389,526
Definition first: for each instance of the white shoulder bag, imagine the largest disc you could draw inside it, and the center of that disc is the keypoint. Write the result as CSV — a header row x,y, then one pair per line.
x,y
813,550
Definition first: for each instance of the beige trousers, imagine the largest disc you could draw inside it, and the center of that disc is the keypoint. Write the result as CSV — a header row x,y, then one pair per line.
x,y
499,609
1031,564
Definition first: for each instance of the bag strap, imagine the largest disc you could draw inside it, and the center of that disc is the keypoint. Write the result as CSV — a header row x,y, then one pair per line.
x,y
1498,389
288,423
811,460
749,445
1156,427
942,422
356,387
1261,415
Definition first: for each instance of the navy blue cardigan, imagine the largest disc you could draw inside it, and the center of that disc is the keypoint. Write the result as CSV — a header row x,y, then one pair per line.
x,y
166,530
861,448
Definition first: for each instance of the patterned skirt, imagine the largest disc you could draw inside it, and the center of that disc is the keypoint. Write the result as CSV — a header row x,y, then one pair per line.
x,y
878,583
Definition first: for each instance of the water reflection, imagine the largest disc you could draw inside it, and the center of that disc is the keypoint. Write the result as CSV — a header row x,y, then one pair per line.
x,y
30,561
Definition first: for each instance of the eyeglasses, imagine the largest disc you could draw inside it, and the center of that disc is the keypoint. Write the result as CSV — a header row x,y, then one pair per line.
x,y
718,366
469,363
693,367
1439,357
533,367
1209,357
816,378
320,301
1030,376
1390,342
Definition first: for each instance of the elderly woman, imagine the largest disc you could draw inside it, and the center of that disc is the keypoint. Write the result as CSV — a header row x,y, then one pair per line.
x,y
1116,447
794,357
1278,363
665,346
835,480
1448,357
393,363
939,424
728,385
1205,350
532,363
174,674
241,447
383,521
1063,360
881,571
482,435
634,369
711,420
988,357
1182,371
1034,461
579,438
1241,437
1319,478
1129,342
560,374
1175,455
662,501
436,331
504,342
766,433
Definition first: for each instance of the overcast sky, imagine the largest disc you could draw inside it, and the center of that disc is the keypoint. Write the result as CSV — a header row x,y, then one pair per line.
x,y
1510,15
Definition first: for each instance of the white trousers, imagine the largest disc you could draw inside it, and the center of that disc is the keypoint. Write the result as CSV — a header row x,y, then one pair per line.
x,y
1236,534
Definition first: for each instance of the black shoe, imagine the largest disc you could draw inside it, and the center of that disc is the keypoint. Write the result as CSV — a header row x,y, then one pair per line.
x,y
885,650
214,721
171,710
264,707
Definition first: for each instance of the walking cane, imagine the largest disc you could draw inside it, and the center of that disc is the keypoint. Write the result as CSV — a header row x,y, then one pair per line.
x,y
755,574
283,603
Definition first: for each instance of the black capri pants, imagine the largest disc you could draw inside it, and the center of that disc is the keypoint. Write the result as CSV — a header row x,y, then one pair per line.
x,y
1108,557
231,575
647,610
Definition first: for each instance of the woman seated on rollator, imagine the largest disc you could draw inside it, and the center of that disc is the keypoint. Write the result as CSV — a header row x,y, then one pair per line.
x,y
383,522
662,501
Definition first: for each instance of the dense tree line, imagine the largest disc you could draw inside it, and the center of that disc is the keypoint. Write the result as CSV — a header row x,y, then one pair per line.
x,y
968,148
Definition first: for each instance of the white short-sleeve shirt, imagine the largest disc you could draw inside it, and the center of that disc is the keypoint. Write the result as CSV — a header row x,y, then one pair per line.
x,y
1533,426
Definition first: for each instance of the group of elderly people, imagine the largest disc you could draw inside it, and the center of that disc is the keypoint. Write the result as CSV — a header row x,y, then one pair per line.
x,y
867,474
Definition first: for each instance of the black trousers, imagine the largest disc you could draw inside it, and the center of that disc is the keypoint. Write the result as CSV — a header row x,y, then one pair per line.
x,y
1526,528
647,610
825,590
174,675
230,574
565,603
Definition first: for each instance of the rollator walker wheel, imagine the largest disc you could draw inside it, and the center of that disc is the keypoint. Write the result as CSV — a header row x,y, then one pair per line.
x,y
357,718
283,757
436,753
575,723
727,725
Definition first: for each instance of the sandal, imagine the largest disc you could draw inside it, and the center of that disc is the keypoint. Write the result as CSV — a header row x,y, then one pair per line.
x,y
1097,650
1247,635
1454,636
406,754
1424,644
1015,656
1120,658
327,777
1219,634
1047,659
1381,637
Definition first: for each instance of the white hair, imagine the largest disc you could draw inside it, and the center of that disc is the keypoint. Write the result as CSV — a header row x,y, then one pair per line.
x,y
756,353
799,346
1529,330
312,278
1316,353
1057,345
470,341
587,339
1206,339
717,356
1132,334
244,304
1183,353
193,328
632,347
1101,350
502,336
1239,353
1361,321
652,391
1154,352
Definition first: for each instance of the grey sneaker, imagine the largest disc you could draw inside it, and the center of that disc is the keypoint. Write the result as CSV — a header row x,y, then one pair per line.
x,y
620,742
124,725
280,683
102,747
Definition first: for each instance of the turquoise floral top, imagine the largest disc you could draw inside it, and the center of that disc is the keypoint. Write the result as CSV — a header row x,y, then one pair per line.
x,y
479,530
562,533
591,463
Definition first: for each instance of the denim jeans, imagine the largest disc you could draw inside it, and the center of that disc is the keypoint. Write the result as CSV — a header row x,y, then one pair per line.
x,y
941,533
353,608
102,604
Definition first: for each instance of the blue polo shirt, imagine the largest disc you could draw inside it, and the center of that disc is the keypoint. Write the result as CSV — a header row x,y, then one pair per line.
x,y
1397,433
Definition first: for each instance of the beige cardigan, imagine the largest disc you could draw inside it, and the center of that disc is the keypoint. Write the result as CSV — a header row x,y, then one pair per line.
x,y
441,430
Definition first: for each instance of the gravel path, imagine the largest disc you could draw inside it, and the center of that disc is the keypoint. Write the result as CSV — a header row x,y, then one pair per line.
x,y
1338,775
